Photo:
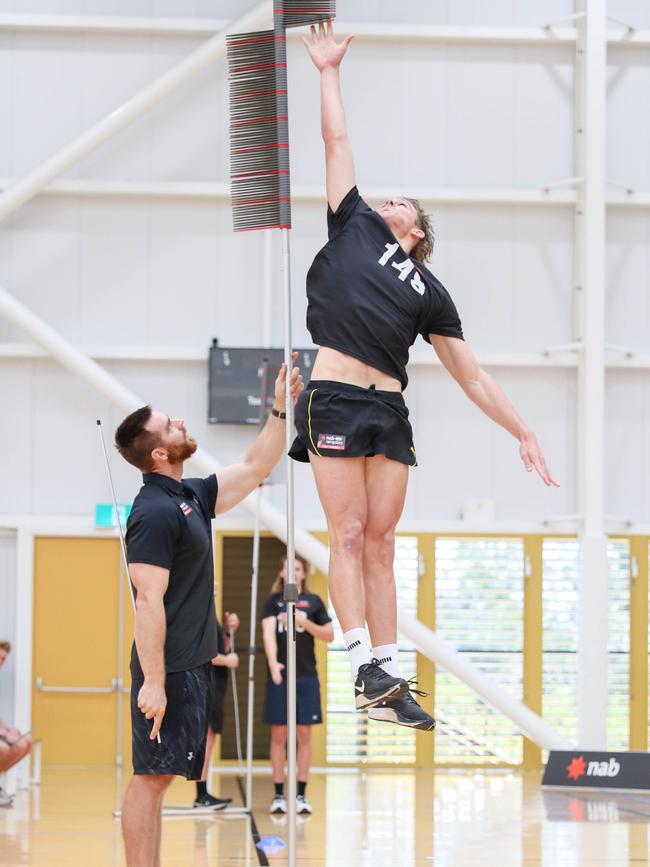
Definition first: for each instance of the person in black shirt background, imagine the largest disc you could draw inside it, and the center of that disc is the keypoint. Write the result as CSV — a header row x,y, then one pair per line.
x,y
222,663
370,295
169,549
312,621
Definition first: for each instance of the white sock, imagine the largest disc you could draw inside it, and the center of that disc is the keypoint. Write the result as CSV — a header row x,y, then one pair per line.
x,y
358,645
386,656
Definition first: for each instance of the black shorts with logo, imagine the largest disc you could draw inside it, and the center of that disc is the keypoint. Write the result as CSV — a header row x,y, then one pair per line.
x,y
334,419
183,733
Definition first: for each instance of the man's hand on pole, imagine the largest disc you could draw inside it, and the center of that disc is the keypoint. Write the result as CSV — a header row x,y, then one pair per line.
x,y
295,383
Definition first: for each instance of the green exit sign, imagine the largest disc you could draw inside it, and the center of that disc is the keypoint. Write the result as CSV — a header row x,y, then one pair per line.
x,y
105,514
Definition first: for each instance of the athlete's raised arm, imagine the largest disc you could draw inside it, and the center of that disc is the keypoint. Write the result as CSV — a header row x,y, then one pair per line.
x,y
327,55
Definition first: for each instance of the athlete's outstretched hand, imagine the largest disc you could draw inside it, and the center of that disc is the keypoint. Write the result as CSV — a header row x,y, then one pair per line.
x,y
295,383
532,456
322,48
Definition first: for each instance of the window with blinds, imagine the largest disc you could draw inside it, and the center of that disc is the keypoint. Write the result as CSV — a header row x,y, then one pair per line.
x,y
351,737
560,635
479,609
618,648
560,624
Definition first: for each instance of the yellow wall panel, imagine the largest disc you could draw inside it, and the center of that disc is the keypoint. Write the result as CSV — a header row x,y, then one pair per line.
x,y
75,644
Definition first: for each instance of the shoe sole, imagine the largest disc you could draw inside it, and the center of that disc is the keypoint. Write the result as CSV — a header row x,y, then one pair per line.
x,y
397,691
389,715
278,812
303,812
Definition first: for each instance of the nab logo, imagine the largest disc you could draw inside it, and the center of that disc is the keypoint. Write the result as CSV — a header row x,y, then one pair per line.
x,y
579,767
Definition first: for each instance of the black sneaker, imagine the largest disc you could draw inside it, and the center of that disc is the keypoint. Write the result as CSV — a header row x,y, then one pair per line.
x,y
373,685
208,800
403,711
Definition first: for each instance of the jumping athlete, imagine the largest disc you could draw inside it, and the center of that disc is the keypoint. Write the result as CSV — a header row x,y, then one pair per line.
x,y
370,295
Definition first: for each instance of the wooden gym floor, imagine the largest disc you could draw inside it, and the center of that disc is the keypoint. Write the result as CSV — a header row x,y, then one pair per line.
x,y
398,818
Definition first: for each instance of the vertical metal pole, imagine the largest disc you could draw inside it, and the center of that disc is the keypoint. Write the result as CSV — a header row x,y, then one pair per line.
x,y
590,253
251,655
267,288
290,590
120,664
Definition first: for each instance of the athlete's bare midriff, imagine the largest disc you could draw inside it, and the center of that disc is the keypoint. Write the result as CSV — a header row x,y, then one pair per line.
x,y
339,367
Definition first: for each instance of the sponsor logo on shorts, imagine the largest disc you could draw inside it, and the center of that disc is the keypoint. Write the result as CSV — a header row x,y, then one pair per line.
x,y
331,441
190,756
185,508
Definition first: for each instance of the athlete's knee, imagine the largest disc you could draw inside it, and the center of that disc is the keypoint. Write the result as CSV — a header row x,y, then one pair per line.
x,y
278,735
380,543
303,735
348,537
153,782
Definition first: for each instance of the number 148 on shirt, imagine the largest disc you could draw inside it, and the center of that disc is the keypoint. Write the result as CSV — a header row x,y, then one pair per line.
x,y
404,268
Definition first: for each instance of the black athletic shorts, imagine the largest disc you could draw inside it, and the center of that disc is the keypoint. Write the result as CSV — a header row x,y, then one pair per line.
x,y
308,709
183,733
218,688
337,420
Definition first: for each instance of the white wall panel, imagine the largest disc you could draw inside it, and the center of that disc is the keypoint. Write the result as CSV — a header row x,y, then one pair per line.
x,y
628,280
628,117
152,272
628,445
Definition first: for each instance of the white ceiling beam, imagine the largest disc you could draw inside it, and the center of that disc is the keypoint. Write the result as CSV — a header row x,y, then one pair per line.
x,y
72,153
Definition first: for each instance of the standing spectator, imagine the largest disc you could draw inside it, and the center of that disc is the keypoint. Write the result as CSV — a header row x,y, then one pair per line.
x,y
221,663
312,621
13,745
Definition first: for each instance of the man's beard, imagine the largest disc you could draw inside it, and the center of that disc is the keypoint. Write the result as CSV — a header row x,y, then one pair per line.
x,y
178,453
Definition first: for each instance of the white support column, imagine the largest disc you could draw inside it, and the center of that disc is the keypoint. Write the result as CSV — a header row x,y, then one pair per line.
x,y
590,270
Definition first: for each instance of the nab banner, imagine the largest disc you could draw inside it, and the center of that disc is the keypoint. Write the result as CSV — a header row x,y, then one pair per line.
x,y
587,770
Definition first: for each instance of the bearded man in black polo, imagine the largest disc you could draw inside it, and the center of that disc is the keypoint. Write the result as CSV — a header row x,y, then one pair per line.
x,y
169,549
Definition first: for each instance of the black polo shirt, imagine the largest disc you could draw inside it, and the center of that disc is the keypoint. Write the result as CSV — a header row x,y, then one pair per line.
x,y
169,526
368,298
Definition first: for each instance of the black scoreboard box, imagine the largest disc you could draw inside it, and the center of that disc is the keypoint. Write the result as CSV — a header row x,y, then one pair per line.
x,y
241,382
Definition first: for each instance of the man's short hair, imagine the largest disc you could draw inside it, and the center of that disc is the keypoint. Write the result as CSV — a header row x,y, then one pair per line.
x,y
134,442
424,248
6,646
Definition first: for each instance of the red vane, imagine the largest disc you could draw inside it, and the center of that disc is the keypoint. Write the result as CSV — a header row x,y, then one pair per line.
x,y
251,68
270,38
259,148
239,123
263,226
256,93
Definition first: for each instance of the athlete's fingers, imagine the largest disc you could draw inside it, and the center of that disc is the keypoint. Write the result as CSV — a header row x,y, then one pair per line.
x,y
304,41
347,41
321,29
312,29
157,722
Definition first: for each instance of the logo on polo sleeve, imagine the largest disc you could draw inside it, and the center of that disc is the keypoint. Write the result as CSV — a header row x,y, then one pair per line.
x,y
331,441
185,508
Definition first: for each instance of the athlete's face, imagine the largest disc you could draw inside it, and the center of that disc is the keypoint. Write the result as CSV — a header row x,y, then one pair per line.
x,y
176,445
299,572
402,219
